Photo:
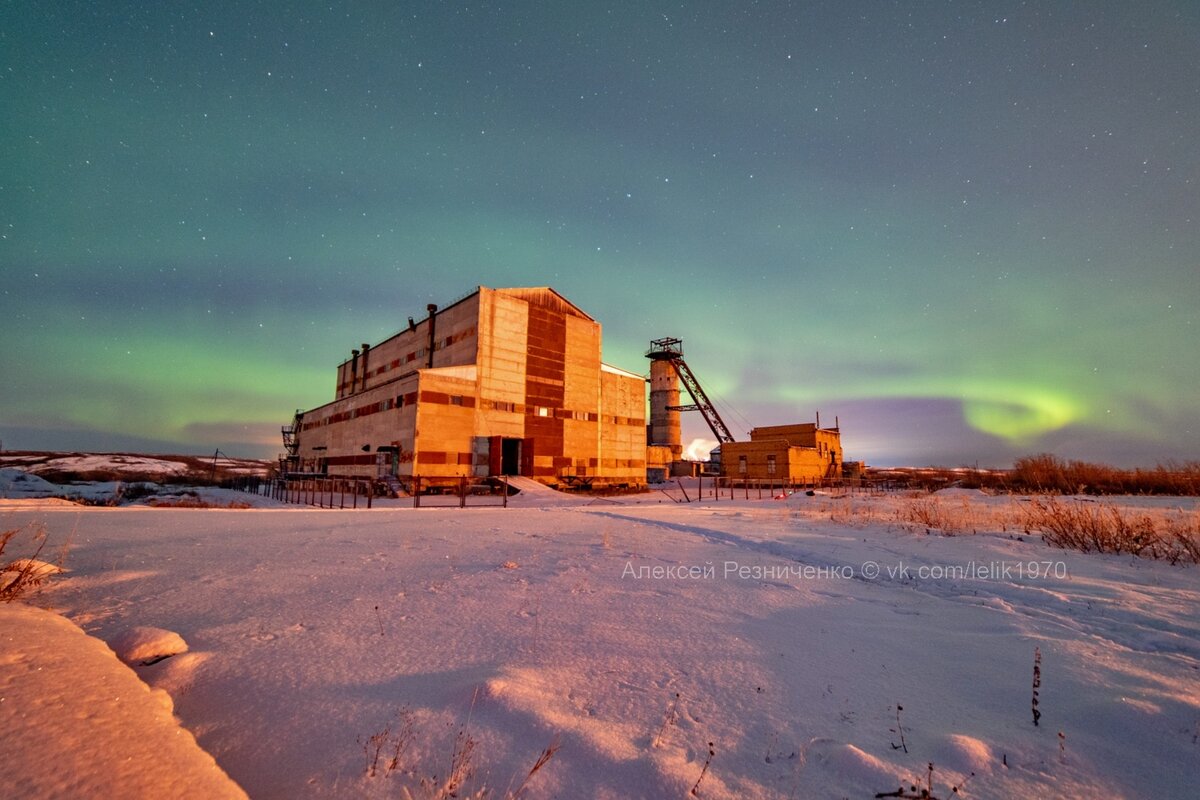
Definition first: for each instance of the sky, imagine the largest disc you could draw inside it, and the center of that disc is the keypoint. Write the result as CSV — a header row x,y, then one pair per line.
x,y
968,230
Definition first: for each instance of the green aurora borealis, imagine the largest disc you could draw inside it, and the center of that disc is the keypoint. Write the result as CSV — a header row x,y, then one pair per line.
x,y
968,229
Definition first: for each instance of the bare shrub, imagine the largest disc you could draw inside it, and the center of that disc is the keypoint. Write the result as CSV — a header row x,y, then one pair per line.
x,y
391,742
1182,532
1046,473
1102,528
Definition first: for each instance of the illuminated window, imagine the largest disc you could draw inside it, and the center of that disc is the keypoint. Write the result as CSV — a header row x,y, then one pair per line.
x,y
771,464
742,465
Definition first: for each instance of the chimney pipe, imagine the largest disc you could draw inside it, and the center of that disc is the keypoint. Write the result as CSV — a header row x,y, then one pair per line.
x,y
353,371
432,308
366,350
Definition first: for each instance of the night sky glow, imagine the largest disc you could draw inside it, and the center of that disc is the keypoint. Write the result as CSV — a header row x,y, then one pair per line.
x,y
968,229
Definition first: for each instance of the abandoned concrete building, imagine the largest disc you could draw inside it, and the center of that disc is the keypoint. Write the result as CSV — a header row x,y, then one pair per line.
x,y
511,382
503,381
803,453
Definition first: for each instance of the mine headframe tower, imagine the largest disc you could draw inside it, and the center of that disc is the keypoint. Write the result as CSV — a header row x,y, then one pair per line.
x,y
666,356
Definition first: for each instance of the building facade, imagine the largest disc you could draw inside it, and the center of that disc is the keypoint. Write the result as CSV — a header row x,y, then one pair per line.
x,y
803,453
503,381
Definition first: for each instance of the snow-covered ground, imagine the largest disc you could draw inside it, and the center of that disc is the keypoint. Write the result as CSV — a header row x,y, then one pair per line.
x,y
77,723
823,649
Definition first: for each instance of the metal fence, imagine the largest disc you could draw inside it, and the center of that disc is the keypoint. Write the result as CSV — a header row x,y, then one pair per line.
x,y
340,493
717,488
318,492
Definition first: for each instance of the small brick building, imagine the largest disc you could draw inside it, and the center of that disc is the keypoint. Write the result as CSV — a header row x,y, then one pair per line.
x,y
801,453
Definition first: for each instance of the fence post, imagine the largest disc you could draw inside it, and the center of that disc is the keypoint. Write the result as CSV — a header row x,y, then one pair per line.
x,y
505,479
462,492
416,492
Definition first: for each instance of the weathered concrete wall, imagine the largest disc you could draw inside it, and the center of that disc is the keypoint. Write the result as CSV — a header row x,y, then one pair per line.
x,y
623,427
445,423
455,343
331,437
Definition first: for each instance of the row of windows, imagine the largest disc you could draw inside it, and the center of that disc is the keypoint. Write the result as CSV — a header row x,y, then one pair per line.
x,y
388,404
743,467
401,400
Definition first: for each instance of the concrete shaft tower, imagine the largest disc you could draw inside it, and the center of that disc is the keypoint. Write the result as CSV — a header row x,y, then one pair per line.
x,y
664,395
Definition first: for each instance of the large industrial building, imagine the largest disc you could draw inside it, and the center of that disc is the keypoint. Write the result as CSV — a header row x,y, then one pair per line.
x,y
504,381
510,382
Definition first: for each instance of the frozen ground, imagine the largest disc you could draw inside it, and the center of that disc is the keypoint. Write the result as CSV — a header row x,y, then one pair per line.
x,y
788,633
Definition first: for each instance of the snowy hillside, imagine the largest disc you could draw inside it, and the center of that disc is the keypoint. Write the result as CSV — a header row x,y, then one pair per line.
x,y
823,649
129,466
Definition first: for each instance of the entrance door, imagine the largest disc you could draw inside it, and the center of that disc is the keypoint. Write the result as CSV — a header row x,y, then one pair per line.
x,y
510,457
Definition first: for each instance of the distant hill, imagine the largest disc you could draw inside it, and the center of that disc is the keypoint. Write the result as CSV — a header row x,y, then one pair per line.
x,y
60,467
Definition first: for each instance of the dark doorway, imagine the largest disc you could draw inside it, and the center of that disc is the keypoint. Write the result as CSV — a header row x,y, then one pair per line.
x,y
510,457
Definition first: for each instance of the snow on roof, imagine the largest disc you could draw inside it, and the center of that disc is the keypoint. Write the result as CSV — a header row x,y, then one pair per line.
x,y
618,371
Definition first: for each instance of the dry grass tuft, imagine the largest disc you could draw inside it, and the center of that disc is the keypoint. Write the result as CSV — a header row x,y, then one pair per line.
x,y
194,502
385,754
25,575
949,518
